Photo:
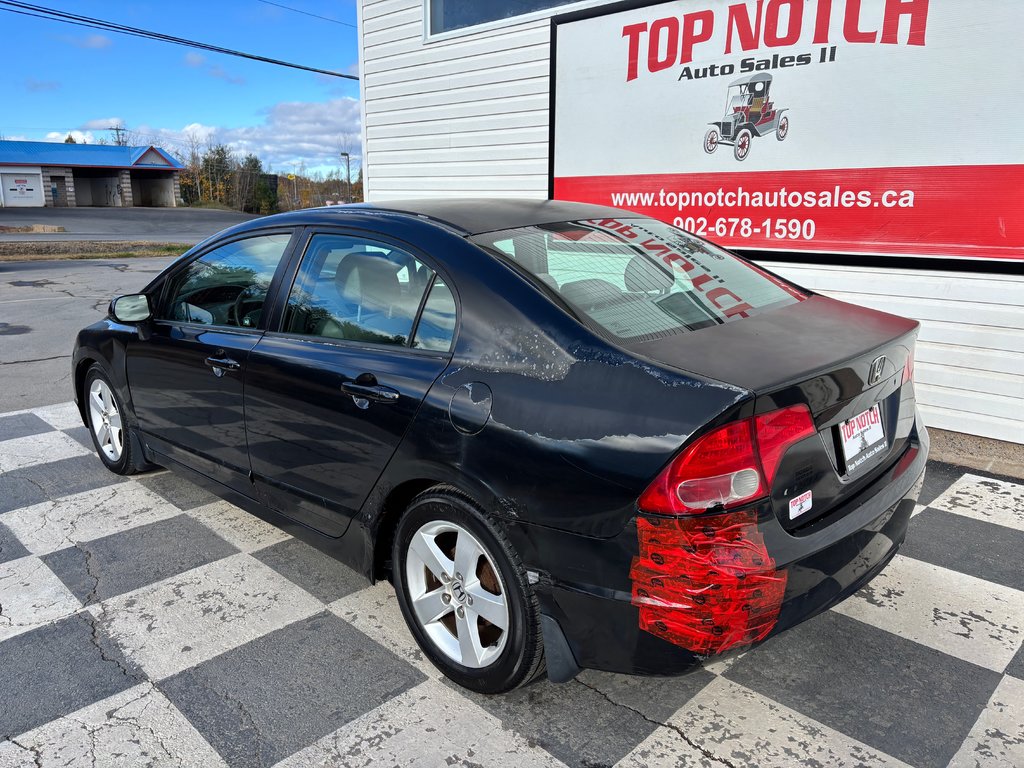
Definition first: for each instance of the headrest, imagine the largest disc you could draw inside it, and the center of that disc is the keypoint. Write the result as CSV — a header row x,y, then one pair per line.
x,y
590,292
369,280
644,276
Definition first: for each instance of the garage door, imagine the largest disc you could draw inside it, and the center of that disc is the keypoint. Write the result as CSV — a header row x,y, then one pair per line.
x,y
22,190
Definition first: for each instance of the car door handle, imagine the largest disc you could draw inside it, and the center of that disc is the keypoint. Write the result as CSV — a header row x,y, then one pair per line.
x,y
375,392
221,364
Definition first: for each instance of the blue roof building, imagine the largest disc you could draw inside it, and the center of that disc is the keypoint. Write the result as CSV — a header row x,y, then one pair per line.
x,y
42,173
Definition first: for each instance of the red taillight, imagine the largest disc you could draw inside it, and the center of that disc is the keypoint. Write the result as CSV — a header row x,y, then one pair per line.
x,y
908,369
777,431
706,583
728,466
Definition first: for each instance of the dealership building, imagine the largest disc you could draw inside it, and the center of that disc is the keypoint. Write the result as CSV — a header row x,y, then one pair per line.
x,y
39,173
850,146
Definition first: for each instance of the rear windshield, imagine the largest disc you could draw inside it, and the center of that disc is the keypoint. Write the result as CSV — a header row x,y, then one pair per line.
x,y
639,278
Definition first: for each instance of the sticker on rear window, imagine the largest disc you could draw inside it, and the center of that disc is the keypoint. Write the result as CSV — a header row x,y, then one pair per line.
x,y
798,505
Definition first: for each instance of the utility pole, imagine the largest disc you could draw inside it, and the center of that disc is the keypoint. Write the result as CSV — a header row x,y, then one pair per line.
x,y
118,130
295,193
348,177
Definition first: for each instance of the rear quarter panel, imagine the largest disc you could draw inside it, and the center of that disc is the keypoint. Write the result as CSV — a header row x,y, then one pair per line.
x,y
540,420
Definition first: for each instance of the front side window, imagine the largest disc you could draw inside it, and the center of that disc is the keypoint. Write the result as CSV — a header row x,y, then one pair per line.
x,y
356,290
228,285
640,278
448,15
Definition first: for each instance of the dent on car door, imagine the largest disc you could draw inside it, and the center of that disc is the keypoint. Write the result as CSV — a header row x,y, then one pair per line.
x,y
186,375
366,330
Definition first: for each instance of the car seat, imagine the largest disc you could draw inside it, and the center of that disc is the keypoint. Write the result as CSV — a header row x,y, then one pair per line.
x,y
644,276
370,302
588,294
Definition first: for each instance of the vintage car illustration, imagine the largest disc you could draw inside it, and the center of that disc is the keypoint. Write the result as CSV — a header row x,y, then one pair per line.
x,y
749,112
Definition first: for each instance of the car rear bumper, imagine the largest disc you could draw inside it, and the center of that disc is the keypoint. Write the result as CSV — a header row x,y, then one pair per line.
x,y
824,564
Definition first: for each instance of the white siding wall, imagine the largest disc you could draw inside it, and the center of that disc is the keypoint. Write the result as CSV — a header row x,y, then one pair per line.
x,y
468,116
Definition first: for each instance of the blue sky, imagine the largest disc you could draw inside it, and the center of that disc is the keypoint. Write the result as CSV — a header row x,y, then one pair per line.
x,y
59,78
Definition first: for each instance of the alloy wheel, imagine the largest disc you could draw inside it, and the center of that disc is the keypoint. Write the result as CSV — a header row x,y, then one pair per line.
x,y
105,419
456,593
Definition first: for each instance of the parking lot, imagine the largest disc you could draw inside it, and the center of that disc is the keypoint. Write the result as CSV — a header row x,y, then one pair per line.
x,y
42,306
166,225
143,621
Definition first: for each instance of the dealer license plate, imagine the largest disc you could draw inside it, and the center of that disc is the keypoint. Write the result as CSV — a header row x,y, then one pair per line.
x,y
863,437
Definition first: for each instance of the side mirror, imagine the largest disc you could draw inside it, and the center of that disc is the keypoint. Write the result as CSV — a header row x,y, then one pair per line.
x,y
133,308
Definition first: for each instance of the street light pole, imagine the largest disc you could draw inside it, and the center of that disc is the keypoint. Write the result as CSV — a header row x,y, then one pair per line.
x,y
348,177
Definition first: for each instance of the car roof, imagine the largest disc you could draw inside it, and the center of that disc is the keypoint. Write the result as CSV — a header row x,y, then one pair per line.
x,y
467,216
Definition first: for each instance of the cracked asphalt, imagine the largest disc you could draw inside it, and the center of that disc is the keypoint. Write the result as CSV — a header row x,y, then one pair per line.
x,y
42,305
145,622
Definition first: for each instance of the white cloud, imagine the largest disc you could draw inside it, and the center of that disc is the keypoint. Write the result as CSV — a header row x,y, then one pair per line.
x,y
222,74
81,137
203,133
101,124
41,86
292,133
198,61
95,42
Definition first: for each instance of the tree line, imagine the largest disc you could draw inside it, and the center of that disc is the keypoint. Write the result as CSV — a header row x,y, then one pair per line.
x,y
216,175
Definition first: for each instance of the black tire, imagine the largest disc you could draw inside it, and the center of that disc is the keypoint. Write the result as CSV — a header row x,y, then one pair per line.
x,y
130,459
522,658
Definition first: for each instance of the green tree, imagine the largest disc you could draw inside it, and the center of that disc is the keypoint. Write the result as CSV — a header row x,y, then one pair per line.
x,y
217,175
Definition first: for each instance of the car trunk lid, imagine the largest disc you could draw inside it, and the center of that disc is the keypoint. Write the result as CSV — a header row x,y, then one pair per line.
x,y
845,363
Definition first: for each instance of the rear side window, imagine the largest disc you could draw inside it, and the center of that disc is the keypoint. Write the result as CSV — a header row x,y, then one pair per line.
x,y
352,289
640,278
436,328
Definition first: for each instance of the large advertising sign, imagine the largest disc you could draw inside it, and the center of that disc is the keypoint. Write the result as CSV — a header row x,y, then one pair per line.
x,y
838,126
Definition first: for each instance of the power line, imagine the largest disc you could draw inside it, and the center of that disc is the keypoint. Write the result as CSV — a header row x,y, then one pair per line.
x,y
307,13
52,14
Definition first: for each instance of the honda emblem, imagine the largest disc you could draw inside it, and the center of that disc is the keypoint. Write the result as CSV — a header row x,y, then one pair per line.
x,y
877,367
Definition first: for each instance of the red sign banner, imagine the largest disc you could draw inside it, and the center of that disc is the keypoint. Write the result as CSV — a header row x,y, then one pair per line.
x,y
964,211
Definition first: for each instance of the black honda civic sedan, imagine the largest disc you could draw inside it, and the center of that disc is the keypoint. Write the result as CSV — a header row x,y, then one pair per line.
x,y
570,436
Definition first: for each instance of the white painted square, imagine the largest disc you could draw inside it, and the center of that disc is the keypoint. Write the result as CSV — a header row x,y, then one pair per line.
x,y
427,726
375,612
135,727
961,615
997,738
981,498
184,620
24,452
61,416
31,596
665,746
745,728
86,516
244,530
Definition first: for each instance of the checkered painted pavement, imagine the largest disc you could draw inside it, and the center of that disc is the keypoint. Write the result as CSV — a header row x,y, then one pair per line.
x,y
145,622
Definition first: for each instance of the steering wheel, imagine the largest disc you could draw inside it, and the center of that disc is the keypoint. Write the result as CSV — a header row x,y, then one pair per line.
x,y
248,300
